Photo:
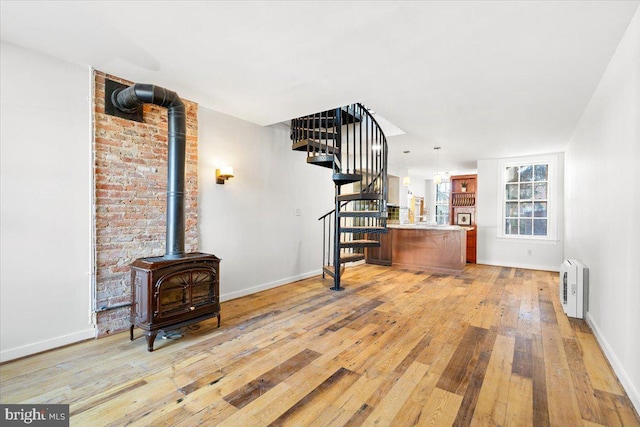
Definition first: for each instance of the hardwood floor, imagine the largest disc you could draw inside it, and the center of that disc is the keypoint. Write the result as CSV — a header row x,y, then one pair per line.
x,y
397,348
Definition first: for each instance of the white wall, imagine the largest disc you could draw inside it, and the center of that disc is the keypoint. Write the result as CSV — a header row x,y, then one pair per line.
x,y
250,221
394,190
46,211
493,250
430,200
603,208
418,187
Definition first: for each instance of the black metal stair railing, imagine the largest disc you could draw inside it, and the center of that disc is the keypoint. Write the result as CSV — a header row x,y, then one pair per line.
x,y
350,142
360,227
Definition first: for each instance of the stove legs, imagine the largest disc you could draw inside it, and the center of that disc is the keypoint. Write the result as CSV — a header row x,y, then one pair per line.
x,y
151,337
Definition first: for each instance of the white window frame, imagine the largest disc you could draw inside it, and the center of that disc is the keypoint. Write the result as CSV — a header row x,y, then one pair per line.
x,y
552,197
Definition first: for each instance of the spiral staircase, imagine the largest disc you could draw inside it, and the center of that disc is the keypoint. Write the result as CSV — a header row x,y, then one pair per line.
x,y
349,141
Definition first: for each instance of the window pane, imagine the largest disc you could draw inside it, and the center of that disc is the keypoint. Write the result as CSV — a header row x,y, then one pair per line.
x,y
512,174
442,203
540,190
540,227
442,187
512,191
526,191
540,209
442,198
525,227
541,172
442,193
511,226
512,209
526,209
442,220
526,173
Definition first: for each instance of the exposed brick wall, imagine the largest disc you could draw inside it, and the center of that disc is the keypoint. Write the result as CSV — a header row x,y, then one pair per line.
x,y
130,170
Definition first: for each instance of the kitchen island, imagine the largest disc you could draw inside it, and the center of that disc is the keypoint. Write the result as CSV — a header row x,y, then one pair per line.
x,y
439,248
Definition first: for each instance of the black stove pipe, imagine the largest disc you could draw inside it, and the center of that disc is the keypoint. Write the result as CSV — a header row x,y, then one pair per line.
x,y
128,100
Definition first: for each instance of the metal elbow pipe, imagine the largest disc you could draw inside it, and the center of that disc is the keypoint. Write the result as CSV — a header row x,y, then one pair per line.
x,y
128,100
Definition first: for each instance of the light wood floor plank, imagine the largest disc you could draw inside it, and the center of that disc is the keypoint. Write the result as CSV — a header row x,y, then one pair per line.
x,y
411,411
440,409
562,397
601,375
492,403
389,406
589,406
519,407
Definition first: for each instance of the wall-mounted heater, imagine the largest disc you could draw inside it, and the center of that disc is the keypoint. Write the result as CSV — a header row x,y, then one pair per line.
x,y
574,288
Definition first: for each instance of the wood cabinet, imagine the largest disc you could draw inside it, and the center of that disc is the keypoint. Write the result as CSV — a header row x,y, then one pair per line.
x,y
435,248
380,255
471,245
439,249
462,209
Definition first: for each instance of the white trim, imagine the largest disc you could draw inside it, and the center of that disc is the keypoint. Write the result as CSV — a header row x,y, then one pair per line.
x,y
528,241
270,285
541,267
49,344
627,384
93,318
552,196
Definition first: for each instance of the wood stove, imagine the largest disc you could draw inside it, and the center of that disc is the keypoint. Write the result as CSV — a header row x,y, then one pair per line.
x,y
179,288
169,294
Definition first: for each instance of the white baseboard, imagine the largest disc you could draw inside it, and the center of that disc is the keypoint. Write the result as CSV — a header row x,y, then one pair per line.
x,y
265,286
29,349
628,385
520,265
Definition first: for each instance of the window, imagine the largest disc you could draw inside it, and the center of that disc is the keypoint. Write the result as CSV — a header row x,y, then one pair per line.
x,y
442,202
528,203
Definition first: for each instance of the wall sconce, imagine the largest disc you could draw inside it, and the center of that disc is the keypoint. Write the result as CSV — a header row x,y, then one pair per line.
x,y
223,174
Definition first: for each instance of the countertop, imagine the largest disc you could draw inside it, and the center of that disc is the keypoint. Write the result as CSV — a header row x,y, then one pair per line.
x,y
428,227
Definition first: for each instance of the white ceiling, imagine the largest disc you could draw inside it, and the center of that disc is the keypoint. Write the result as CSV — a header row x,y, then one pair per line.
x,y
481,79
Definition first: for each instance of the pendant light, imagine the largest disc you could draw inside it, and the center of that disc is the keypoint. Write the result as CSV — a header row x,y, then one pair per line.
x,y
406,181
437,178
